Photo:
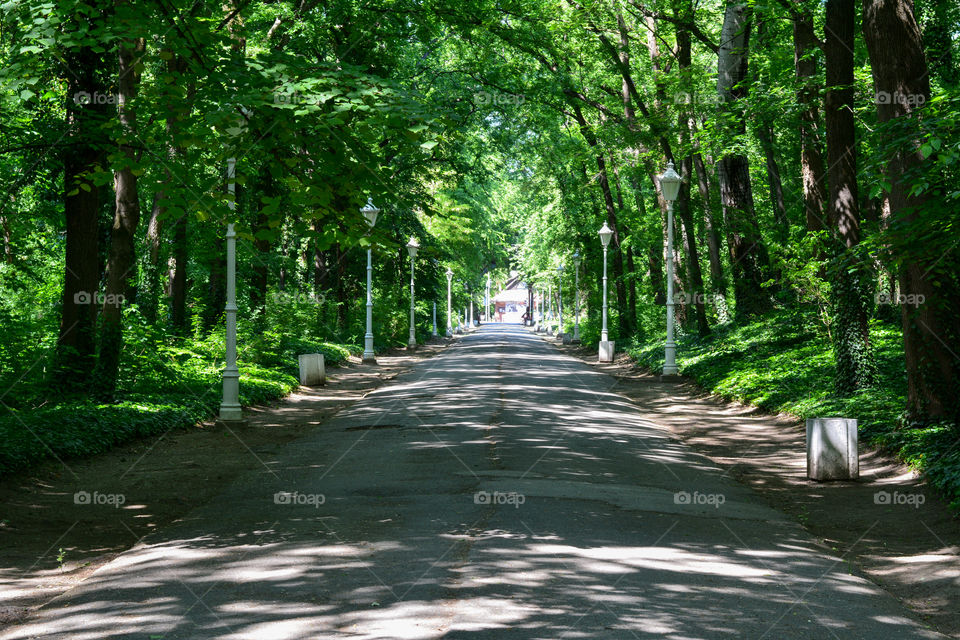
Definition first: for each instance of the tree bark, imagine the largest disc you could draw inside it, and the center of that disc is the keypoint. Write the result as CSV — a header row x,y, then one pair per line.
x,y
7,240
178,289
766,136
121,266
748,255
851,337
900,76
811,155
714,244
149,299
685,208
83,154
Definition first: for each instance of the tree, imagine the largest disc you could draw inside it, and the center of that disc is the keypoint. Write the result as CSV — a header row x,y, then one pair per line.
x,y
850,293
929,268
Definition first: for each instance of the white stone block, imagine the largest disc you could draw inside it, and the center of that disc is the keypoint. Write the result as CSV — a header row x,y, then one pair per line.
x,y
832,449
606,351
312,370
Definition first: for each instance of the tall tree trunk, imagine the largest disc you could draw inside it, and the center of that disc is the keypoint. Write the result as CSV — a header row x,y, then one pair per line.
x,y
83,155
851,338
808,96
628,322
712,233
748,255
216,283
900,75
176,109
604,183
121,267
685,208
767,139
150,297
7,240
178,288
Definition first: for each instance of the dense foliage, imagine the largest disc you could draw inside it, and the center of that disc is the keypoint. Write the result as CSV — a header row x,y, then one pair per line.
x,y
817,222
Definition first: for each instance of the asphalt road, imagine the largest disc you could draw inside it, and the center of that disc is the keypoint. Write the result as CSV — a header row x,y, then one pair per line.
x,y
498,490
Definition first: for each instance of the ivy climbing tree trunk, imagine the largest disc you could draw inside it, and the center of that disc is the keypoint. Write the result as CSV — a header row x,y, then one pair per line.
x,y
928,269
850,291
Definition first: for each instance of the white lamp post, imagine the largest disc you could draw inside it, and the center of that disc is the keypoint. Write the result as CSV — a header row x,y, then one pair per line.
x,y
486,305
369,212
449,303
670,187
606,347
560,302
434,332
576,300
412,247
535,312
471,324
230,409
549,308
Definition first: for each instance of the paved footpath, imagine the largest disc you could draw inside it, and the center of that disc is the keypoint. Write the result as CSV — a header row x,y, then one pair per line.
x,y
498,490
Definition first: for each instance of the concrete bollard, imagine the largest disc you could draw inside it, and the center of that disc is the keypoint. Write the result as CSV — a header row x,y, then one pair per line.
x,y
606,351
312,370
832,449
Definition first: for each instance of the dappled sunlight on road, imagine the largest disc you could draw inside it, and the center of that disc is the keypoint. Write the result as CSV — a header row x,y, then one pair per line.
x,y
498,490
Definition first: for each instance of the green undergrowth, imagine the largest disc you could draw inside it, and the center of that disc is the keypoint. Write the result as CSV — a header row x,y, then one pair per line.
x,y
783,364
165,383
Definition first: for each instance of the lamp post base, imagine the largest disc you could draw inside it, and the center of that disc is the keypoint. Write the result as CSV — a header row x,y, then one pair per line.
x,y
368,358
230,413
606,350
411,345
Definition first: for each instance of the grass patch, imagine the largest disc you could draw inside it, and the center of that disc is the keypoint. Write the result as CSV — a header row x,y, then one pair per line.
x,y
165,383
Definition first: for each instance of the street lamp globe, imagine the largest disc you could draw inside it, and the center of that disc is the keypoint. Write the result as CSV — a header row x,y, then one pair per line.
x,y
605,234
670,183
412,247
370,212
576,259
